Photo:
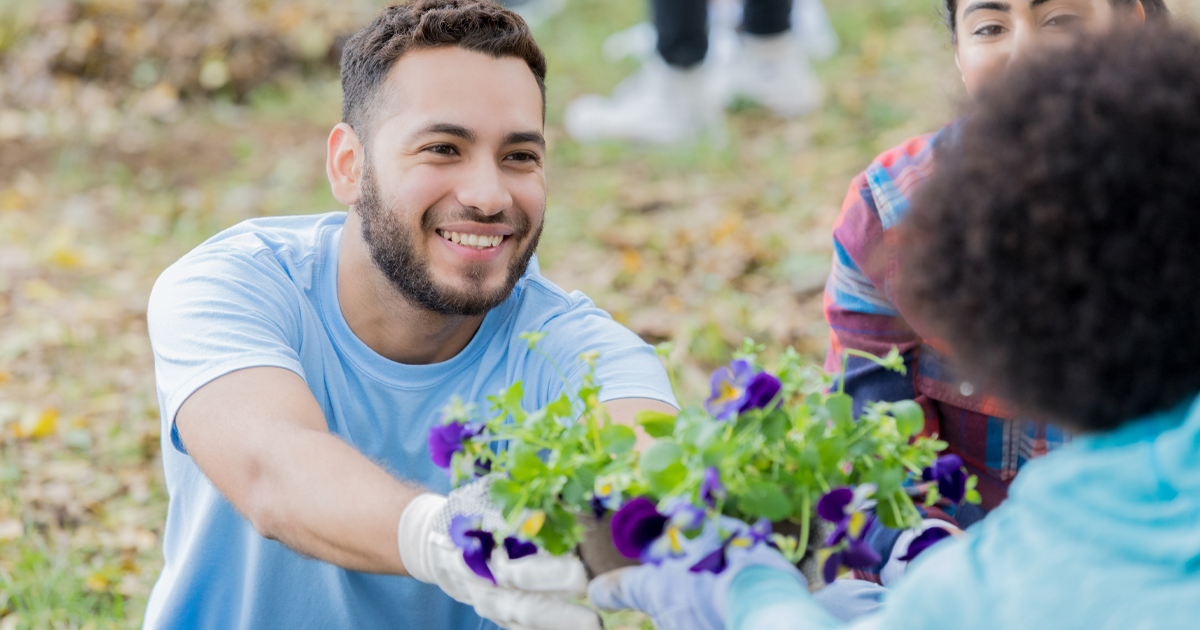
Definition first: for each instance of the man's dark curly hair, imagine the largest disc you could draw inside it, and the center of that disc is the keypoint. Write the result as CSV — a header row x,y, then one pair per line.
x,y
1057,247
477,25
1156,10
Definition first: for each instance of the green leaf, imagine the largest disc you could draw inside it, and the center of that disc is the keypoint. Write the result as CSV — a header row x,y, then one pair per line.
x,y
662,466
896,511
586,477
716,453
509,401
841,408
656,423
775,425
910,418
973,497
573,491
886,478
616,439
560,408
506,493
527,466
557,534
765,499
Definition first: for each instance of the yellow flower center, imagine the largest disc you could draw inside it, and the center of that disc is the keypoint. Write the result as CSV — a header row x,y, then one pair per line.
x,y
728,393
533,524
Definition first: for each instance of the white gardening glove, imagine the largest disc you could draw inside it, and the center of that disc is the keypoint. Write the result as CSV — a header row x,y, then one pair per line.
x,y
532,593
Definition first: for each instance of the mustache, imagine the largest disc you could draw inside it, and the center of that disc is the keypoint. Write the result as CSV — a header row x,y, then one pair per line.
x,y
517,221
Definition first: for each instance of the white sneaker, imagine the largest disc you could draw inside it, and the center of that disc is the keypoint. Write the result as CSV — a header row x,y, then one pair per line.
x,y
658,104
774,72
811,24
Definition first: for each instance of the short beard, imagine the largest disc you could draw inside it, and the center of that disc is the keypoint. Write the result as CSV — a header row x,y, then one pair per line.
x,y
394,249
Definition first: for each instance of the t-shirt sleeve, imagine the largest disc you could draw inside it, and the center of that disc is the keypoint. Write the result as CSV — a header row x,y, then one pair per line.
x,y
627,366
215,312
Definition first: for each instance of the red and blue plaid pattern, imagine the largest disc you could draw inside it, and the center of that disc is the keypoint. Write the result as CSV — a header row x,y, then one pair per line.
x,y
862,315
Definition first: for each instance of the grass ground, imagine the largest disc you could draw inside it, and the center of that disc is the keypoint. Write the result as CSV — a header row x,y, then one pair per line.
x,y
698,246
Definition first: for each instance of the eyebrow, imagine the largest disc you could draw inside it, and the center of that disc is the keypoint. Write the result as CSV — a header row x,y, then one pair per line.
x,y
521,137
459,131
993,6
449,129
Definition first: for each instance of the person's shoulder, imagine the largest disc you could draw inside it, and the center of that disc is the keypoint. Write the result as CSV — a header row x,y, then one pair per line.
x,y
282,244
913,152
263,256
283,237
542,298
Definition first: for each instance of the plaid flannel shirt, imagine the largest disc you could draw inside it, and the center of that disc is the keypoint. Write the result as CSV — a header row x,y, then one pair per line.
x,y
979,427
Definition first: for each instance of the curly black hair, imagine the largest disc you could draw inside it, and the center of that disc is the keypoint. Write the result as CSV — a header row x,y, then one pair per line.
x,y
1156,10
1057,247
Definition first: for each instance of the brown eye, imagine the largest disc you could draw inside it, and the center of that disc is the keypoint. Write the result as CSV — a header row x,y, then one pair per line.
x,y
524,157
443,149
1065,21
991,30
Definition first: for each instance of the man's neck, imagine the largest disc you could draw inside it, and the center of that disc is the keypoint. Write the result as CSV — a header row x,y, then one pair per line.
x,y
385,320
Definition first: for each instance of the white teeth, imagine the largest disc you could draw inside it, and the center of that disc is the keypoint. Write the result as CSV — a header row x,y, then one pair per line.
x,y
472,240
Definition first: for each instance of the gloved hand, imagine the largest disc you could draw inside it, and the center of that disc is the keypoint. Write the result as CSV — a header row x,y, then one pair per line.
x,y
532,593
674,596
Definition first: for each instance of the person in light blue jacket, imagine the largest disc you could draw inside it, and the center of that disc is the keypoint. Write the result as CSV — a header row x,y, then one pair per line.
x,y
1057,245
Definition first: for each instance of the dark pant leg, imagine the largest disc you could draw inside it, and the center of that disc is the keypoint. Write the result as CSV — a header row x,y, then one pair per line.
x,y
767,17
682,30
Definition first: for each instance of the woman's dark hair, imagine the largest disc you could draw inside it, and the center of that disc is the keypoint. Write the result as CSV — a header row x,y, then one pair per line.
x,y
1155,10
1056,249
476,25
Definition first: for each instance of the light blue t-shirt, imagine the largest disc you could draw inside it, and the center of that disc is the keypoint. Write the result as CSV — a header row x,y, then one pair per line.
x,y
264,293
1103,534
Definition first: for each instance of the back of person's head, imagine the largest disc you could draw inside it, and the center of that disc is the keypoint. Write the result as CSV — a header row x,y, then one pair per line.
x,y
477,25
1057,247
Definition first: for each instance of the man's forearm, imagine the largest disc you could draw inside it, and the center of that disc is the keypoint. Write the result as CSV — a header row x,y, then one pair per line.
x,y
321,497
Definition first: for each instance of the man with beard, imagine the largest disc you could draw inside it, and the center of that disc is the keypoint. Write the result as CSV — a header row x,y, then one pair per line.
x,y
301,361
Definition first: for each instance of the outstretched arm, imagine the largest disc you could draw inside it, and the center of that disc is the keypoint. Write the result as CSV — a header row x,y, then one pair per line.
x,y
261,438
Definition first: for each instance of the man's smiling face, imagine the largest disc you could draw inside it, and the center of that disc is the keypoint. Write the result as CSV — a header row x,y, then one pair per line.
x,y
453,193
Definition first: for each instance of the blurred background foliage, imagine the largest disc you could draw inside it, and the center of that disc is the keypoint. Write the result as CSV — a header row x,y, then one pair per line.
x,y
132,130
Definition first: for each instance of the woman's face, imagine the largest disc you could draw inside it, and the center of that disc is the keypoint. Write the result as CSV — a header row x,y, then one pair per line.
x,y
994,33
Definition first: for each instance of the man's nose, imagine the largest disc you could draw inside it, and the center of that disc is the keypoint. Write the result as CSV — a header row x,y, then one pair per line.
x,y
483,188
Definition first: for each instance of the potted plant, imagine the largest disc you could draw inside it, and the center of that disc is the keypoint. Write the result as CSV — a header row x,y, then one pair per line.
x,y
774,457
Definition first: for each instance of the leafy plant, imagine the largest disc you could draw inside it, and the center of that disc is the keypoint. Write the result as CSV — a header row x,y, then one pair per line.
x,y
766,447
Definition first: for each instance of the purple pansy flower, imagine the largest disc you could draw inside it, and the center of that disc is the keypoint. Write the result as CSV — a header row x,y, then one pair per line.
x,y
447,439
467,534
710,487
840,506
605,497
714,562
729,389
518,548
857,554
636,525
927,539
761,391
832,506
682,514
951,479
746,537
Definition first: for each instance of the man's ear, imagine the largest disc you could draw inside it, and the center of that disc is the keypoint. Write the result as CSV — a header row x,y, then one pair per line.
x,y
343,164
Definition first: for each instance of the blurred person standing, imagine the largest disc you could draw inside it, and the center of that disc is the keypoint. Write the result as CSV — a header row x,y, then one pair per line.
x,y
677,95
